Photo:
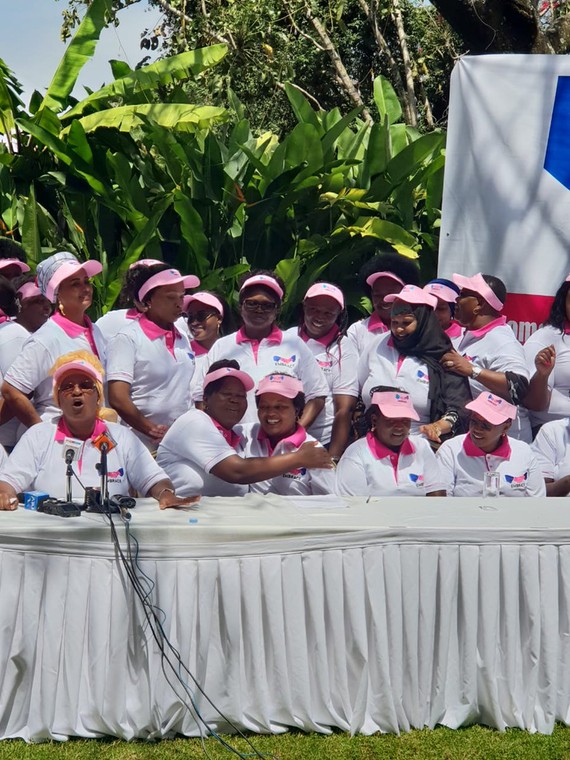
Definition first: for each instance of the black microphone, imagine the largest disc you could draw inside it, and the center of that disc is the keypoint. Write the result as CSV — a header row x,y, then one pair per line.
x,y
69,456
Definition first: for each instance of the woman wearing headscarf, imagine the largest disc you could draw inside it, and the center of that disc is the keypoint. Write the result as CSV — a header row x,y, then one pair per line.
x,y
410,357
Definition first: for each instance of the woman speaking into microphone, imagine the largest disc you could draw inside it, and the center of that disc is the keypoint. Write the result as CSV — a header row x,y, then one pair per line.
x,y
38,461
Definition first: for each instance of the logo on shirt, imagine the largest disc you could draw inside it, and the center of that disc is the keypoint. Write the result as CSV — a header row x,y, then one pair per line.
x,y
422,377
325,364
191,355
469,358
115,476
296,474
417,479
285,361
517,482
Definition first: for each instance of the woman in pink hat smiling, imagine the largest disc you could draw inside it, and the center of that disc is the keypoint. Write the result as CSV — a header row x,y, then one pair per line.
x,y
150,363
260,347
66,282
323,329
280,402
466,459
388,462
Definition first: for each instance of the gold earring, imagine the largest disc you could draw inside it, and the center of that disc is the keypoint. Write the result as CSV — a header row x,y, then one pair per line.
x,y
60,309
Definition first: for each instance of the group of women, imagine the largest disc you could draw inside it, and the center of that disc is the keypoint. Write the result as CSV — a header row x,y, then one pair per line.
x,y
423,397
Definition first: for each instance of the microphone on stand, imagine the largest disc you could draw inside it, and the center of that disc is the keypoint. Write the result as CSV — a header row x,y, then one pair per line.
x,y
69,457
104,443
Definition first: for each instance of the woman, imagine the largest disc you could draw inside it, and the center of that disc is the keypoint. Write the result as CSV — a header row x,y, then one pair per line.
x,y
323,329
489,353
410,354
446,293
35,309
387,462
260,347
202,451
547,353
385,274
65,281
150,364
487,448
552,450
280,401
38,461
208,317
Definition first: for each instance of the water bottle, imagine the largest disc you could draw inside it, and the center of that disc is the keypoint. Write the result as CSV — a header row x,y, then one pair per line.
x,y
491,485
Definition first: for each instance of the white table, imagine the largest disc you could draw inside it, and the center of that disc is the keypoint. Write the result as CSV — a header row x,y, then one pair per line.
x,y
382,616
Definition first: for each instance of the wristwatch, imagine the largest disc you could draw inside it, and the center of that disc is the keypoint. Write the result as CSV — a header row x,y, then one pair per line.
x,y
475,371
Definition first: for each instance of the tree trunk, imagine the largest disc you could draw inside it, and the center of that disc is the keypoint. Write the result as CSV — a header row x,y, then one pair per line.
x,y
407,61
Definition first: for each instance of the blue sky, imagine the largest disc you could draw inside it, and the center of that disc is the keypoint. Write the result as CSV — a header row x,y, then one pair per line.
x,y
30,43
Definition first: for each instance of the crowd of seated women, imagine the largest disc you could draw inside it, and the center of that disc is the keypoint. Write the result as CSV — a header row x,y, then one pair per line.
x,y
423,397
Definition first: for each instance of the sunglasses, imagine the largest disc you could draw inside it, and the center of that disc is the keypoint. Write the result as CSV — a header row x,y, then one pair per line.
x,y
265,307
85,386
201,316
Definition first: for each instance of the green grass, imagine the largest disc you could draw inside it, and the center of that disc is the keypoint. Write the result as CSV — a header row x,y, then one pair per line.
x,y
474,743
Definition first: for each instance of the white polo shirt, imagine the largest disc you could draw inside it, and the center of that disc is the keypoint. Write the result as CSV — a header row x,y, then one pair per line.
x,y
201,358
38,462
158,365
364,333
464,465
301,481
559,379
552,449
279,352
338,365
495,347
29,372
384,365
455,334
368,468
193,445
12,338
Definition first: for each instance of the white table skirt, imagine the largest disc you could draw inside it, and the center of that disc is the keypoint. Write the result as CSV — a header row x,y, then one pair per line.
x,y
342,622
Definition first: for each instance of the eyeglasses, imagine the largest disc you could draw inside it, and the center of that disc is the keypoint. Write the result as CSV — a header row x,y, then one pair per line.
x,y
85,386
201,316
265,307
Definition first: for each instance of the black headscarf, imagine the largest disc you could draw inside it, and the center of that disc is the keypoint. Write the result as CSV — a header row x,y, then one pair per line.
x,y
448,393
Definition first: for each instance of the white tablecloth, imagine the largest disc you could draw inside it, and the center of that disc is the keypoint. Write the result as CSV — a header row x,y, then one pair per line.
x,y
378,616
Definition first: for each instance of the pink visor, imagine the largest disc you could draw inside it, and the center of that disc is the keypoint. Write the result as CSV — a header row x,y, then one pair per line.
x,y
4,263
282,385
413,294
492,408
395,404
266,281
443,292
325,289
68,269
387,275
224,372
207,299
78,365
29,290
478,285
167,277
145,263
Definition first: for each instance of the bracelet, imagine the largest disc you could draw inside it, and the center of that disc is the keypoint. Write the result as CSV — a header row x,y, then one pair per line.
x,y
172,491
475,371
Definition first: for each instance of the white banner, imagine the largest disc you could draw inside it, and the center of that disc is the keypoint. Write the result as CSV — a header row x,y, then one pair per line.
x,y
506,198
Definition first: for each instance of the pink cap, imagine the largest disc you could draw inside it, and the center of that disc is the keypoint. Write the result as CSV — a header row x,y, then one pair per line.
x,y
208,299
266,281
224,372
282,385
492,408
395,404
167,277
4,263
478,285
68,269
145,263
387,275
413,294
78,365
441,291
29,290
325,289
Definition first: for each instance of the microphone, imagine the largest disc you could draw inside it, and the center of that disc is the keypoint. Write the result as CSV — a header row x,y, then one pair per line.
x,y
105,442
69,456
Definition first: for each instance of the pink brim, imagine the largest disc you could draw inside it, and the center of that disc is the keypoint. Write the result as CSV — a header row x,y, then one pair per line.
x,y
478,285
264,281
86,369
383,275
325,289
167,277
227,372
29,290
68,269
5,263
494,415
442,292
417,297
205,298
286,386
390,407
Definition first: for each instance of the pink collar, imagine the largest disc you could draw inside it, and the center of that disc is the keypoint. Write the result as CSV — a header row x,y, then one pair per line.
x,y
379,451
295,439
230,436
503,450
133,314
275,336
72,328
488,327
454,330
375,324
197,348
566,327
324,340
153,331
3,317
62,431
